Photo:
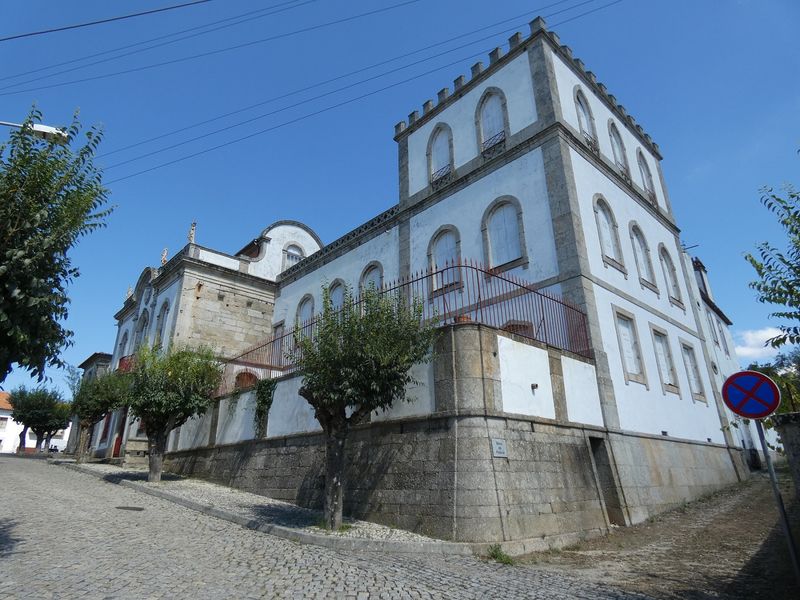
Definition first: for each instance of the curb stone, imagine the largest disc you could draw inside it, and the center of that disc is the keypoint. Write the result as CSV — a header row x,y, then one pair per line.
x,y
295,535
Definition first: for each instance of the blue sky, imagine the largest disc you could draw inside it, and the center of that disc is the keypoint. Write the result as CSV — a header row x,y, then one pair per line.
x,y
714,83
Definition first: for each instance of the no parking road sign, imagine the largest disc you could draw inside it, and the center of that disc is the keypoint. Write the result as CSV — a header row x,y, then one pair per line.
x,y
751,394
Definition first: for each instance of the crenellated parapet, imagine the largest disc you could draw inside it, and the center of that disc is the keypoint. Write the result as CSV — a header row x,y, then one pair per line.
x,y
498,58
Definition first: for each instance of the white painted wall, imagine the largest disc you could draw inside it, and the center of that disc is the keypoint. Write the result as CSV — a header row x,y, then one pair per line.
x,y
522,365
290,413
515,81
236,418
348,267
9,436
588,182
218,258
566,80
523,179
195,432
280,236
580,389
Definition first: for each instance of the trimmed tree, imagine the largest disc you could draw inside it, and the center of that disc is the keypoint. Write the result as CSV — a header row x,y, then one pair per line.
x,y
166,390
50,195
41,410
779,270
354,360
94,399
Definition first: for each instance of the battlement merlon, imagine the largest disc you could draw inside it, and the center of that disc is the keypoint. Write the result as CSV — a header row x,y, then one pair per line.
x,y
516,46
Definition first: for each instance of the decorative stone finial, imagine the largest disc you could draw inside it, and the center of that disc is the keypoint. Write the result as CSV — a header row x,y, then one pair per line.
x,y
164,257
192,231
129,293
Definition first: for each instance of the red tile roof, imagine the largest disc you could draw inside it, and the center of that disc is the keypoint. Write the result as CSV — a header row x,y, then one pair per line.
x,y
4,403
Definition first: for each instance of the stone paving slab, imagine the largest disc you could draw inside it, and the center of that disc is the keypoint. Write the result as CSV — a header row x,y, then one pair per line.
x,y
269,515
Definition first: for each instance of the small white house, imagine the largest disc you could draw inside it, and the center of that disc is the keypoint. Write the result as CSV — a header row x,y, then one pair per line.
x,y
10,430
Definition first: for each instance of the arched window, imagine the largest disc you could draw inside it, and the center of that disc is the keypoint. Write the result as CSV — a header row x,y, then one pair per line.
x,y
504,239
123,345
244,379
641,253
670,275
607,231
293,254
444,255
647,177
141,330
440,156
305,310
161,323
372,276
336,293
491,120
585,119
618,148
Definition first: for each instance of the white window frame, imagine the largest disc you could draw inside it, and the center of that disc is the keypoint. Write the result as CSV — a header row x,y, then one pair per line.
x,y
696,396
673,388
670,276
620,161
643,281
437,175
522,260
588,130
637,347
442,284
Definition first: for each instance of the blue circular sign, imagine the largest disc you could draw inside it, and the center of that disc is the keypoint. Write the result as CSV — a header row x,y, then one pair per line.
x,y
751,394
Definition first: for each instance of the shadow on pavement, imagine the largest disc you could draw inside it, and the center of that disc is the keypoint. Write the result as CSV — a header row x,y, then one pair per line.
x,y
137,476
7,539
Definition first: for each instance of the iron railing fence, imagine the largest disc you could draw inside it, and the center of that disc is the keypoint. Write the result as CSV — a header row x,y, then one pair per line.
x,y
465,292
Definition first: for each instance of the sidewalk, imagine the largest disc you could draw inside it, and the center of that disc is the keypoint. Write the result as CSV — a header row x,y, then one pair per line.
x,y
268,515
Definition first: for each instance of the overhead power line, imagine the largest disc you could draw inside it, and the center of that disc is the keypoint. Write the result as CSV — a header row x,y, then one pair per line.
x,y
208,27
101,21
250,120
218,51
331,107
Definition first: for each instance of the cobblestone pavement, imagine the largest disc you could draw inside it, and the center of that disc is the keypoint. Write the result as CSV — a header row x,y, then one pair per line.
x,y
66,535
728,545
255,507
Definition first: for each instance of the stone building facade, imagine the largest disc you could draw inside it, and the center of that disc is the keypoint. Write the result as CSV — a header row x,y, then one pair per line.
x,y
533,169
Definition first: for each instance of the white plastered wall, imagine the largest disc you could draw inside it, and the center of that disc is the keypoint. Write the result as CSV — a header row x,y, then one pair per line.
x,y
514,80
580,389
281,236
524,179
521,367
566,80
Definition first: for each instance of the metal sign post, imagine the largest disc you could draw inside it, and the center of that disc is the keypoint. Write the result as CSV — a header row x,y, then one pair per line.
x,y
753,395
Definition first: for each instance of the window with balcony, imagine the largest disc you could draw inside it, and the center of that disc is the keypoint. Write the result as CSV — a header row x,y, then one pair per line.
x,y
492,120
647,177
440,154
618,148
586,120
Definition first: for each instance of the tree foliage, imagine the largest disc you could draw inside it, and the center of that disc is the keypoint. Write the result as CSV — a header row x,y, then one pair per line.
x,y
41,410
354,360
50,196
166,389
779,270
94,399
784,370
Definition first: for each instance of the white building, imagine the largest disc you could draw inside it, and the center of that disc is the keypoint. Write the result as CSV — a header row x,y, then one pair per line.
x,y
538,419
10,430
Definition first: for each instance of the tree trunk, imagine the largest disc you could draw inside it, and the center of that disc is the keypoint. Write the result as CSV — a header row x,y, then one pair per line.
x,y
39,439
156,446
49,440
22,437
334,476
83,444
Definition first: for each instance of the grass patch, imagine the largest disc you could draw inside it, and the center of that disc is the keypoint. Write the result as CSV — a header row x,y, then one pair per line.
x,y
496,554
322,524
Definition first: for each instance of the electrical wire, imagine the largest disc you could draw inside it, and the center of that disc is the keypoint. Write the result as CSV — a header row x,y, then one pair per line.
x,y
329,108
218,51
250,120
265,12
343,76
102,21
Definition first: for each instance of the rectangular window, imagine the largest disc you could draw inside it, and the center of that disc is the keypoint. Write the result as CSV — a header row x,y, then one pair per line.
x,y
712,328
722,338
629,348
3,422
666,366
693,371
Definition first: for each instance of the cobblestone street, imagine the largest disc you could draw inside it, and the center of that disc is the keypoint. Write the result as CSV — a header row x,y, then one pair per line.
x,y
65,534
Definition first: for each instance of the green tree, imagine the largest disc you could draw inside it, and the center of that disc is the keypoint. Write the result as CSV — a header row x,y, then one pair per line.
x,y
779,270
784,370
41,410
94,399
358,360
50,196
166,390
